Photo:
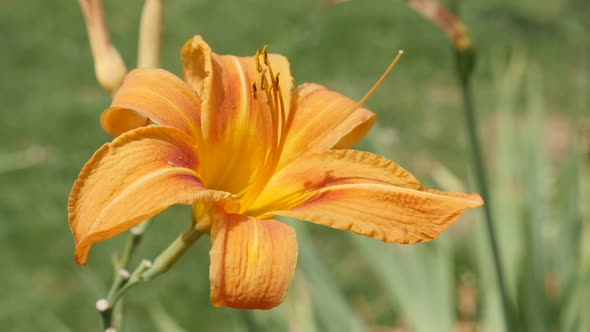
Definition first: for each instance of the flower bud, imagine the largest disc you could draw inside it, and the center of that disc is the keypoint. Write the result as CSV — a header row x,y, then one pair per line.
x,y
150,34
108,64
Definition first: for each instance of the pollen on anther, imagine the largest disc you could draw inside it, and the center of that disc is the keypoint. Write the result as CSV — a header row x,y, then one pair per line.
x,y
258,65
265,54
254,90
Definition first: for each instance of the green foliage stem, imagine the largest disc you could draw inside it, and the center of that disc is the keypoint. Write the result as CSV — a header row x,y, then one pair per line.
x,y
465,62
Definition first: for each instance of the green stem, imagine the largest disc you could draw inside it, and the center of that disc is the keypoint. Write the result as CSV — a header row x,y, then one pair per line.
x,y
120,263
465,63
171,254
144,272
118,315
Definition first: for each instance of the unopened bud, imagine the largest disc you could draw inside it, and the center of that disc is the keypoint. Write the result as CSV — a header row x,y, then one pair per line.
x,y
124,274
135,231
150,34
102,305
146,263
441,16
109,67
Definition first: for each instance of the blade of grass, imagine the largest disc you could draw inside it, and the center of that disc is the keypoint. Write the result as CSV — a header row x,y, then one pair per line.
x,y
163,321
331,309
418,279
505,186
297,310
465,62
534,174
568,243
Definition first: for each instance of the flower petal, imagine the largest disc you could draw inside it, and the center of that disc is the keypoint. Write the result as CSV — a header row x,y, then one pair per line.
x,y
234,123
358,125
152,94
131,179
319,122
364,193
252,262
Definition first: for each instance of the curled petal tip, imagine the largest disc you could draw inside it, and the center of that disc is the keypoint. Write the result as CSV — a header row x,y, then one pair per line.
x,y
477,199
445,20
81,255
472,200
153,95
136,176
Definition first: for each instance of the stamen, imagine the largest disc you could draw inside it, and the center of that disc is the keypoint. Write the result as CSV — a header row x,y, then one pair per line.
x,y
278,117
263,84
277,97
267,63
283,113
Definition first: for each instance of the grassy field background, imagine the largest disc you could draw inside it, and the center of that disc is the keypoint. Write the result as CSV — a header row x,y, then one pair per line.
x,y
532,87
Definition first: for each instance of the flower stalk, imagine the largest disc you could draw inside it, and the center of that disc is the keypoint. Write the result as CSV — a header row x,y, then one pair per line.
x,y
465,64
452,26
465,61
110,71
144,272
109,310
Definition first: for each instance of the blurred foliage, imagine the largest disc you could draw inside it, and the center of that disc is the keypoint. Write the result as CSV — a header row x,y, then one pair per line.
x,y
531,90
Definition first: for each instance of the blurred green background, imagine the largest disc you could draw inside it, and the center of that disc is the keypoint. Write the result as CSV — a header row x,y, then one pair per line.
x,y
531,86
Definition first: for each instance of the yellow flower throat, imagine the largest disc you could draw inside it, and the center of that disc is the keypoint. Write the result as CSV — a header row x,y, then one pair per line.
x,y
276,130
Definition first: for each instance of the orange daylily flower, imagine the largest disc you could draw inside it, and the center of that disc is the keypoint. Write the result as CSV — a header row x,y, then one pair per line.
x,y
238,143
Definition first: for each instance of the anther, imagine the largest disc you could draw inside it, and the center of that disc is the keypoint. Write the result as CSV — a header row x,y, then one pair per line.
x,y
265,54
258,65
254,91
277,81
